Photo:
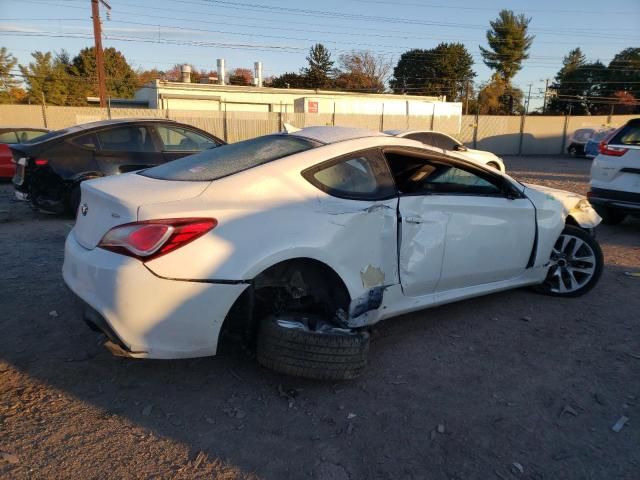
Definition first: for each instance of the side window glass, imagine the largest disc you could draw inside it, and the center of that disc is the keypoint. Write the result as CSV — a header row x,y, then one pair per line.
x,y
126,139
8,137
361,176
176,139
27,135
425,138
414,175
87,141
443,141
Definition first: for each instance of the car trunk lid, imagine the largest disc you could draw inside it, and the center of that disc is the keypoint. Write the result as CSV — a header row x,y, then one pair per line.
x,y
111,201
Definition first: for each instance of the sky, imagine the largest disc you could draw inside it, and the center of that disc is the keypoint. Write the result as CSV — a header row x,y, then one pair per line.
x,y
161,33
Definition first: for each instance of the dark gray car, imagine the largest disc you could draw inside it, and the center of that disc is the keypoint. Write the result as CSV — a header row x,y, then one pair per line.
x,y
49,169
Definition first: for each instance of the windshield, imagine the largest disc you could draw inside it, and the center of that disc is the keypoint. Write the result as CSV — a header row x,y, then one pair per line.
x,y
229,159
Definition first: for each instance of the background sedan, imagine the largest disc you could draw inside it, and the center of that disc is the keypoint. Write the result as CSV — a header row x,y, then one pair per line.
x,y
50,169
451,146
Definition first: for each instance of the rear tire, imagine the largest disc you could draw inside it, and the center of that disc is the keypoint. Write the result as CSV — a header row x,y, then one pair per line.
x,y
73,200
306,346
573,151
610,216
576,264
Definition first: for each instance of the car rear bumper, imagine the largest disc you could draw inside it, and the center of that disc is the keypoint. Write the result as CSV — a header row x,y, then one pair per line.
x,y
628,201
145,316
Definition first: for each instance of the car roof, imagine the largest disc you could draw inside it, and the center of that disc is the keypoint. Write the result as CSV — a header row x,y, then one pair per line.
x,y
330,134
63,132
115,121
12,128
404,133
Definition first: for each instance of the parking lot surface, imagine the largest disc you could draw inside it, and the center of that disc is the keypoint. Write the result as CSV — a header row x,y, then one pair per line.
x,y
511,385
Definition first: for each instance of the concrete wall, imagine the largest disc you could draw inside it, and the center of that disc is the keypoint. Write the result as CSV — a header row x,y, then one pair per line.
x,y
503,135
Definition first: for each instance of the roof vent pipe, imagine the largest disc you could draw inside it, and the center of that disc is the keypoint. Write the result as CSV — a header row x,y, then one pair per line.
x,y
257,75
221,72
185,72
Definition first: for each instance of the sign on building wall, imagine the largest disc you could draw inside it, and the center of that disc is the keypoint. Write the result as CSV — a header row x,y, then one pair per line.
x,y
312,107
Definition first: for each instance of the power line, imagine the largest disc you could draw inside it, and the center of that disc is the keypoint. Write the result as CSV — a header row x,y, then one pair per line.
x,y
528,10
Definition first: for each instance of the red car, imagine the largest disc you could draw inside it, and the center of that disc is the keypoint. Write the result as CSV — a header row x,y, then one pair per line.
x,y
9,136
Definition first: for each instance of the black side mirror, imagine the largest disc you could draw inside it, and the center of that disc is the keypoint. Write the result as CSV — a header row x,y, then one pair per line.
x,y
460,148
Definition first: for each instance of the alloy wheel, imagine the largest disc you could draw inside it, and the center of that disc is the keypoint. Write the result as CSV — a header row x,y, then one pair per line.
x,y
573,264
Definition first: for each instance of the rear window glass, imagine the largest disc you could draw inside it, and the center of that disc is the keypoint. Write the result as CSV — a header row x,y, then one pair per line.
x,y
582,135
25,136
8,137
229,159
629,135
47,136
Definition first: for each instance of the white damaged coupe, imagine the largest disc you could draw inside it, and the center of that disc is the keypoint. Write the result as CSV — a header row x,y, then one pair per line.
x,y
300,241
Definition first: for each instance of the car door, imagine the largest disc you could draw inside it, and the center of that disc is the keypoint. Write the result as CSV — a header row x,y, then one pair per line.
x,y
177,142
125,148
460,226
361,206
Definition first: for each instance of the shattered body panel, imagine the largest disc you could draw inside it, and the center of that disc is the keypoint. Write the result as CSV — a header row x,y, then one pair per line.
x,y
553,207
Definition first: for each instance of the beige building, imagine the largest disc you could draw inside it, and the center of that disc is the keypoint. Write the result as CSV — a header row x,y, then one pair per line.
x,y
212,97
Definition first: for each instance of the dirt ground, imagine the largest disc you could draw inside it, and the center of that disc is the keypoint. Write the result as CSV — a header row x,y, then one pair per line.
x,y
511,385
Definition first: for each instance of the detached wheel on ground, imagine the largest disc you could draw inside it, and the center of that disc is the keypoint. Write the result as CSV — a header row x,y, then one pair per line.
x,y
610,216
308,346
576,264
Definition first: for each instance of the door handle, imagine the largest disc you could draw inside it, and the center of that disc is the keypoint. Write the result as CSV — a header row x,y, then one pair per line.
x,y
413,219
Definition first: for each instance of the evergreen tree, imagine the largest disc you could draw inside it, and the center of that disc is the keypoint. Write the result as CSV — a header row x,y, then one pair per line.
x,y
318,72
443,70
45,76
571,62
499,97
287,80
121,79
8,84
624,78
509,44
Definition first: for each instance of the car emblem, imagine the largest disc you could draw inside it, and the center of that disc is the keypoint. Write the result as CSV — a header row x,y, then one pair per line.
x,y
84,209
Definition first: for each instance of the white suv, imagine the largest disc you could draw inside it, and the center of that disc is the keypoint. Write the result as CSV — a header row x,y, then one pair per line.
x,y
615,175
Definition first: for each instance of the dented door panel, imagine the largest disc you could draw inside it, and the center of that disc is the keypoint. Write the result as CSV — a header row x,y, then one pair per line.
x,y
489,239
422,241
365,247
458,241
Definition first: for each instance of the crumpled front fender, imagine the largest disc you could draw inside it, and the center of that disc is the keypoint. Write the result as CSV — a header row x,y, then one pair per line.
x,y
573,205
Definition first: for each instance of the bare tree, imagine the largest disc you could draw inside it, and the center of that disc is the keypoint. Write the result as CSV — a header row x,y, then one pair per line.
x,y
362,70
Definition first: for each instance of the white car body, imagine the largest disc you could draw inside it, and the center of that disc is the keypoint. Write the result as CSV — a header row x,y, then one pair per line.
x,y
410,252
615,173
449,145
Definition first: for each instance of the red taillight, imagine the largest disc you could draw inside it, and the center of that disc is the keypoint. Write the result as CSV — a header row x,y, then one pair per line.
x,y
152,238
41,162
605,149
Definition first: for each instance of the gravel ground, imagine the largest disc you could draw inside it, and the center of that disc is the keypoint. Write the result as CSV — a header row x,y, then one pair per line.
x,y
511,385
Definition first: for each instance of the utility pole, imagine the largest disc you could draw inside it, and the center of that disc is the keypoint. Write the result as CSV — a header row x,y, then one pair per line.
x,y
97,35
466,99
546,90
526,110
